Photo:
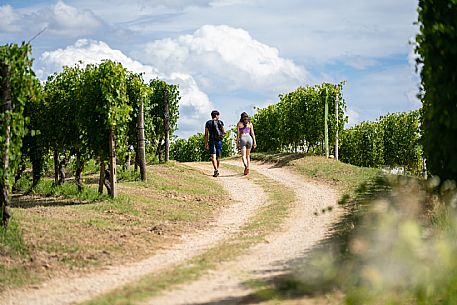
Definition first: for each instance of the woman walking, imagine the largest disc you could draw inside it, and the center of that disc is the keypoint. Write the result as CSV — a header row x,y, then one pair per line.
x,y
245,139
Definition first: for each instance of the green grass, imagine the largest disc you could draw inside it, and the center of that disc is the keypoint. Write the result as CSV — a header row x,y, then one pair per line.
x,y
98,223
12,245
124,175
356,184
69,189
122,204
266,221
345,176
11,240
16,276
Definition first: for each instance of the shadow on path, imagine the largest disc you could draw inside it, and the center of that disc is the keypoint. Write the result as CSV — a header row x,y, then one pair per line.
x,y
278,160
27,202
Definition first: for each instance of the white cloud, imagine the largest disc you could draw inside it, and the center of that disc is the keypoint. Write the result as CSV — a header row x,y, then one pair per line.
x,y
120,11
310,31
353,117
221,3
60,19
68,20
194,104
359,63
192,96
225,57
9,19
177,4
88,52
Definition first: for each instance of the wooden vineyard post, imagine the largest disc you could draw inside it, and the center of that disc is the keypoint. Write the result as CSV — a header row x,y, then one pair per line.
x,y
79,170
326,123
337,121
102,177
5,106
141,144
112,163
56,167
167,127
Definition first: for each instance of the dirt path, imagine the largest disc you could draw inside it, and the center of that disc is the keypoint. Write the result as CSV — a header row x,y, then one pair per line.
x,y
222,286
78,289
300,232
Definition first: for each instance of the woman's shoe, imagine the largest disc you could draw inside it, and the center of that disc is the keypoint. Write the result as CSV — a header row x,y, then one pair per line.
x,y
246,170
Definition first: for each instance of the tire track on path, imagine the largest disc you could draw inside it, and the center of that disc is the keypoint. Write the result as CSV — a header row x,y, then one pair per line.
x,y
82,288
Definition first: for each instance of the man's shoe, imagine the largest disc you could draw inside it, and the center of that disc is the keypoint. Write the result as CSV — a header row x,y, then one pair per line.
x,y
216,173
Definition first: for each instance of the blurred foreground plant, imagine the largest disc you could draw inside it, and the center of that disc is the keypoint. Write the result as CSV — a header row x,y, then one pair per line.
x,y
396,245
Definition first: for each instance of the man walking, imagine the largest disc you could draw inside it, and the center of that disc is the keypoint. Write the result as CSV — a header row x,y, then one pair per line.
x,y
214,133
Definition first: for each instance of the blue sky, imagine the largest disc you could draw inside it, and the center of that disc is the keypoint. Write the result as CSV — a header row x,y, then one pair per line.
x,y
233,55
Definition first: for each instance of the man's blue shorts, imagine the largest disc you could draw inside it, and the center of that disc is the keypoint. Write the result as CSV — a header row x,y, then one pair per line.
x,y
215,147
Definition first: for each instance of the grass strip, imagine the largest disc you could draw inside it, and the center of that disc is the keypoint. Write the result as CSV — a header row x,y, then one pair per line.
x,y
266,221
12,244
344,176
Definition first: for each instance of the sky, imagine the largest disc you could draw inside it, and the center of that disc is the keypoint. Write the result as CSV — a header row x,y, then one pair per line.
x,y
233,55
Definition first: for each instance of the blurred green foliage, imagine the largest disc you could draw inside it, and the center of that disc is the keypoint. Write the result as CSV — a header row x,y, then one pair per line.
x,y
437,50
395,245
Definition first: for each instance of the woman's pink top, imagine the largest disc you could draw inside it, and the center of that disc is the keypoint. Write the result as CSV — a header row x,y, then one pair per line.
x,y
245,129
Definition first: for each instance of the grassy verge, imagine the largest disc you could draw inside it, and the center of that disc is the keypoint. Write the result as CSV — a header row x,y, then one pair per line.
x,y
13,247
346,177
266,221
48,232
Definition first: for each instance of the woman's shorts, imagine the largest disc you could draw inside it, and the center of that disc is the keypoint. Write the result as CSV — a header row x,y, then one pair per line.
x,y
246,141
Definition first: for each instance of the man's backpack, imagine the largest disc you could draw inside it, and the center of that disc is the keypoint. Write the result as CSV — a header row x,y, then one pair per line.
x,y
218,130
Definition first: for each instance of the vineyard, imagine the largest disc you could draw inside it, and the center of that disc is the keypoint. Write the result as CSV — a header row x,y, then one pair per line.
x,y
193,148
110,115
98,112
371,236
391,141
297,124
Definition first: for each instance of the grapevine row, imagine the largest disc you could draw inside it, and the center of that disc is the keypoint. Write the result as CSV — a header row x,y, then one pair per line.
x,y
82,113
391,141
296,122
